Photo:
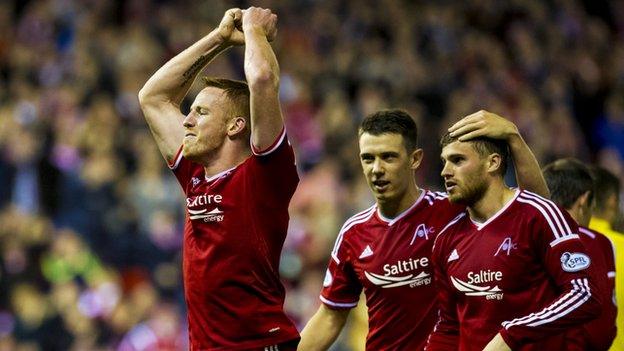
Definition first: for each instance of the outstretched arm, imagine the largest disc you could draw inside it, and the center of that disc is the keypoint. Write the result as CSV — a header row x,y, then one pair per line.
x,y
322,329
262,73
487,124
161,96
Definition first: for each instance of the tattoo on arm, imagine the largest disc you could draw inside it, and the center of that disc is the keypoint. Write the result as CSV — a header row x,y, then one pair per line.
x,y
197,66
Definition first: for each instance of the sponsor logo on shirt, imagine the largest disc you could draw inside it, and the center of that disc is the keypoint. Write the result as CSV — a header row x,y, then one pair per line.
x,y
215,215
574,261
471,289
399,274
198,207
422,232
506,246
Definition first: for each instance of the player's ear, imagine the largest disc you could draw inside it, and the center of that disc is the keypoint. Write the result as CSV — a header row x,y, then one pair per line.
x,y
583,200
236,126
416,158
494,162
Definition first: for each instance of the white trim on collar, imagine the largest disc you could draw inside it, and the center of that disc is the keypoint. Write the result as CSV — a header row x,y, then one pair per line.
x,y
404,213
498,213
219,175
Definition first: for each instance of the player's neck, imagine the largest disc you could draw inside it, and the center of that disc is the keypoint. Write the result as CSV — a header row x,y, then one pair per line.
x,y
229,156
493,200
393,208
576,213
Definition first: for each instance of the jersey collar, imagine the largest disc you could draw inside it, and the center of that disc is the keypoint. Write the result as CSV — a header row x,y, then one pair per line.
x,y
391,221
220,174
497,214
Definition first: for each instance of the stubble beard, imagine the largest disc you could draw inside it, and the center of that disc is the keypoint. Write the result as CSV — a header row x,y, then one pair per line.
x,y
473,191
197,152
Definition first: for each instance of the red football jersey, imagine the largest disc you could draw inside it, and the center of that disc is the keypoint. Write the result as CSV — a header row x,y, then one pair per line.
x,y
524,273
600,333
390,260
235,228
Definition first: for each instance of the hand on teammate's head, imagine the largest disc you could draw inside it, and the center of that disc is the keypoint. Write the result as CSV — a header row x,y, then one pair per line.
x,y
256,18
231,27
483,124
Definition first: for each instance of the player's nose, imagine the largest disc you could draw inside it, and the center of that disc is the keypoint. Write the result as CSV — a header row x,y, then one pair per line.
x,y
189,120
378,167
446,171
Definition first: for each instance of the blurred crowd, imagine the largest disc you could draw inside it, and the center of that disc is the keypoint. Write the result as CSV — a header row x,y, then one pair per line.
x,y
91,218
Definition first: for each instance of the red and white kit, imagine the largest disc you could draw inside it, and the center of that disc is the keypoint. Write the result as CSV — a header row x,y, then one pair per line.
x,y
236,223
600,333
391,260
524,273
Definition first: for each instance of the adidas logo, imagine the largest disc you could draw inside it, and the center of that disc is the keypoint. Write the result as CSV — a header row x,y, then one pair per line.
x,y
454,256
367,252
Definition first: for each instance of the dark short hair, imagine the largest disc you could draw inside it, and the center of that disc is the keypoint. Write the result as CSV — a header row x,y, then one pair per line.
x,y
606,184
392,122
568,179
236,90
484,147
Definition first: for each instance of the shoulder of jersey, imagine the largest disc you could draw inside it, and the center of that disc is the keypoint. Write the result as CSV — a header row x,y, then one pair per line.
x,y
358,218
534,203
354,220
433,197
592,234
558,221
595,235
448,228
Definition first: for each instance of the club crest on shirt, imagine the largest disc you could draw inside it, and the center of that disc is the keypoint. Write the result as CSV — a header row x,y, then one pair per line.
x,y
195,181
506,246
470,287
575,261
400,274
422,232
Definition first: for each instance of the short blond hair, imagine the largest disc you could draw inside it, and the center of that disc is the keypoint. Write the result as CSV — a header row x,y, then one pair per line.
x,y
236,91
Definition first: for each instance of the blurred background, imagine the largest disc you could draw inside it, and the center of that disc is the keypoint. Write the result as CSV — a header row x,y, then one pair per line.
x,y
91,219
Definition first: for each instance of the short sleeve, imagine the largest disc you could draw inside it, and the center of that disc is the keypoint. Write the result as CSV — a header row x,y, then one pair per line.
x,y
341,287
274,171
183,169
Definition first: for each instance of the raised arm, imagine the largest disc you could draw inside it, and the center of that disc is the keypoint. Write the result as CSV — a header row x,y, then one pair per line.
x,y
161,96
262,74
323,329
486,124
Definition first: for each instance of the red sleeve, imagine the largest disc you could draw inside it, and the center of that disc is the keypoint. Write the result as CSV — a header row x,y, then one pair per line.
x,y
609,252
274,172
445,334
341,287
184,169
569,265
